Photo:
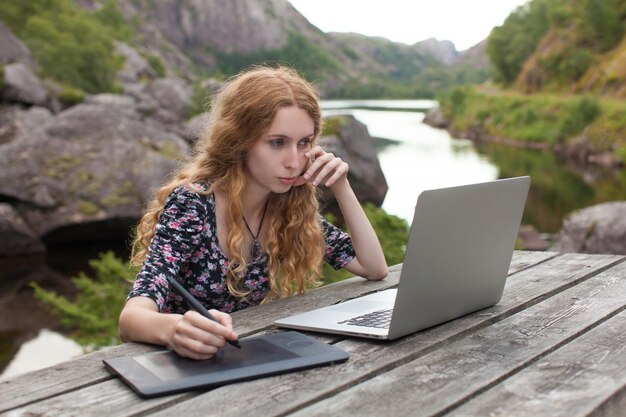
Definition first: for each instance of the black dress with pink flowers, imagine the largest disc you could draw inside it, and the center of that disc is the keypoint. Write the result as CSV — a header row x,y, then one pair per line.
x,y
185,246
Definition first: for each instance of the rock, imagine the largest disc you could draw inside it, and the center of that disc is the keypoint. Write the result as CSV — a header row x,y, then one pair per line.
x,y
135,66
435,118
442,51
119,103
15,121
15,236
22,86
195,126
596,229
233,26
530,239
351,141
173,98
12,49
186,35
88,171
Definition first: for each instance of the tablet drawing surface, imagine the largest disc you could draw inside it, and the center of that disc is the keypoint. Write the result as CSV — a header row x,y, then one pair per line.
x,y
168,366
164,372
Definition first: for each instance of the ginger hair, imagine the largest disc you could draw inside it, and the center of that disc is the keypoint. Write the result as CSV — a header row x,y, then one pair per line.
x,y
240,114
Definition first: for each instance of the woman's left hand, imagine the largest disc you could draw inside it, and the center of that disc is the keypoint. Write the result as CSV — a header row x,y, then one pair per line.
x,y
325,168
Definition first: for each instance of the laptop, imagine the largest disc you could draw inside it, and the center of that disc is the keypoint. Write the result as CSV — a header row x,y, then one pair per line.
x,y
456,262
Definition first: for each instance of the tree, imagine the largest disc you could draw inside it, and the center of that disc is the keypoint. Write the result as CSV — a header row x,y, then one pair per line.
x,y
510,45
602,23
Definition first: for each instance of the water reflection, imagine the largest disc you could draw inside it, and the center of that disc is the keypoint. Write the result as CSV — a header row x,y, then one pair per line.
x,y
46,349
557,189
22,318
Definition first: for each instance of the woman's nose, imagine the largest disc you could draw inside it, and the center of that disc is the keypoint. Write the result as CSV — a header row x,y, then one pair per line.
x,y
292,157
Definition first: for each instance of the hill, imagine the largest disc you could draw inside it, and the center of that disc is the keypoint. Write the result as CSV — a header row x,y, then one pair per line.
x,y
199,39
565,46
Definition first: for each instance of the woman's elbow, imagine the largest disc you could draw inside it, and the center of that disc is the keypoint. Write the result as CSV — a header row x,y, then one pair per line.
x,y
378,274
122,325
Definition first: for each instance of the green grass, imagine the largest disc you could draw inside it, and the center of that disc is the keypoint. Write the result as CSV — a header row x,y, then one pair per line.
x,y
541,118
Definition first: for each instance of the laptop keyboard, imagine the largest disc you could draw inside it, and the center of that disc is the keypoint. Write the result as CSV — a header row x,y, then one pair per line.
x,y
380,319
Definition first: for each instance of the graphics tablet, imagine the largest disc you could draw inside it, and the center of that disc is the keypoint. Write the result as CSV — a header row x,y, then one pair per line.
x,y
164,372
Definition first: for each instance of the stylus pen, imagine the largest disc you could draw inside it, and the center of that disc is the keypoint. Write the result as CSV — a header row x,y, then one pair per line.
x,y
196,305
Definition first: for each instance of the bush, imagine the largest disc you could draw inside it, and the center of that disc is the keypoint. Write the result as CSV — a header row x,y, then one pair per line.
x,y
71,45
93,315
392,232
157,65
71,96
621,153
579,115
200,100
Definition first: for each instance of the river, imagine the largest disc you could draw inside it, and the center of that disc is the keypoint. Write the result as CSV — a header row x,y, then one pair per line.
x,y
413,157
418,156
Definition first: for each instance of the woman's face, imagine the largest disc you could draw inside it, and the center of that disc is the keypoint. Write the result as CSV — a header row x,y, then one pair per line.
x,y
277,158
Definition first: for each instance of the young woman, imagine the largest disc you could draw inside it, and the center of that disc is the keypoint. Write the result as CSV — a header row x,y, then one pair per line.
x,y
239,224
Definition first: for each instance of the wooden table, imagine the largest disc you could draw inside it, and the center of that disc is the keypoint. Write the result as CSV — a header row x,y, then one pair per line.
x,y
554,346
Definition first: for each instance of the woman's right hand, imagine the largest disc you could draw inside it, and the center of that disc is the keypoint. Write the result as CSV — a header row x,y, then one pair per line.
x,y
190,335
196,337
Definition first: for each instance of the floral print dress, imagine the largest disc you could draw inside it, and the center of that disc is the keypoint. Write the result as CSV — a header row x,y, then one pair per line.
x,y
185,246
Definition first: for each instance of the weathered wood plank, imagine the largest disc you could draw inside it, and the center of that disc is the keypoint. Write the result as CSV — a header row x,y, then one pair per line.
x,y
575,380
63,377
526,259
88,369
109,398
449,376
282,394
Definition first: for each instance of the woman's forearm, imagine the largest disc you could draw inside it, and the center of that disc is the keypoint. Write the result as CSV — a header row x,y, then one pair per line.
x,y
140,321
370,260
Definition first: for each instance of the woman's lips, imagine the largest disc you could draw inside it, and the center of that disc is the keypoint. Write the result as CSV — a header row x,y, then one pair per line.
x,y
288,180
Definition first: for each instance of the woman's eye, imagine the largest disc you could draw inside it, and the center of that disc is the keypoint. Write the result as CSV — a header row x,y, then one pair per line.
x,y
304,142
276,142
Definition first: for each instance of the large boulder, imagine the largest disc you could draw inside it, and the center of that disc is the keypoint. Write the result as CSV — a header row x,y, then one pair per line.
x,y
349,139
435,118
88,171
15,236
596,229
22,86
166,100
173,98
12,49
15,121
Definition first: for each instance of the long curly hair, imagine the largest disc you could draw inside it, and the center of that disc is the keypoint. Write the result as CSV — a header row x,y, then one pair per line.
x,y
240,114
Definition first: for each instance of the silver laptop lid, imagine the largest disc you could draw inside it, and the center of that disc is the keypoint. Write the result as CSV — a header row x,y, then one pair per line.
x,y
459,251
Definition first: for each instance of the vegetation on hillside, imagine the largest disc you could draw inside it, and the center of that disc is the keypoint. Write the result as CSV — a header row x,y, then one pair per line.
x,y
313,61
549,45
546,118
72,46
